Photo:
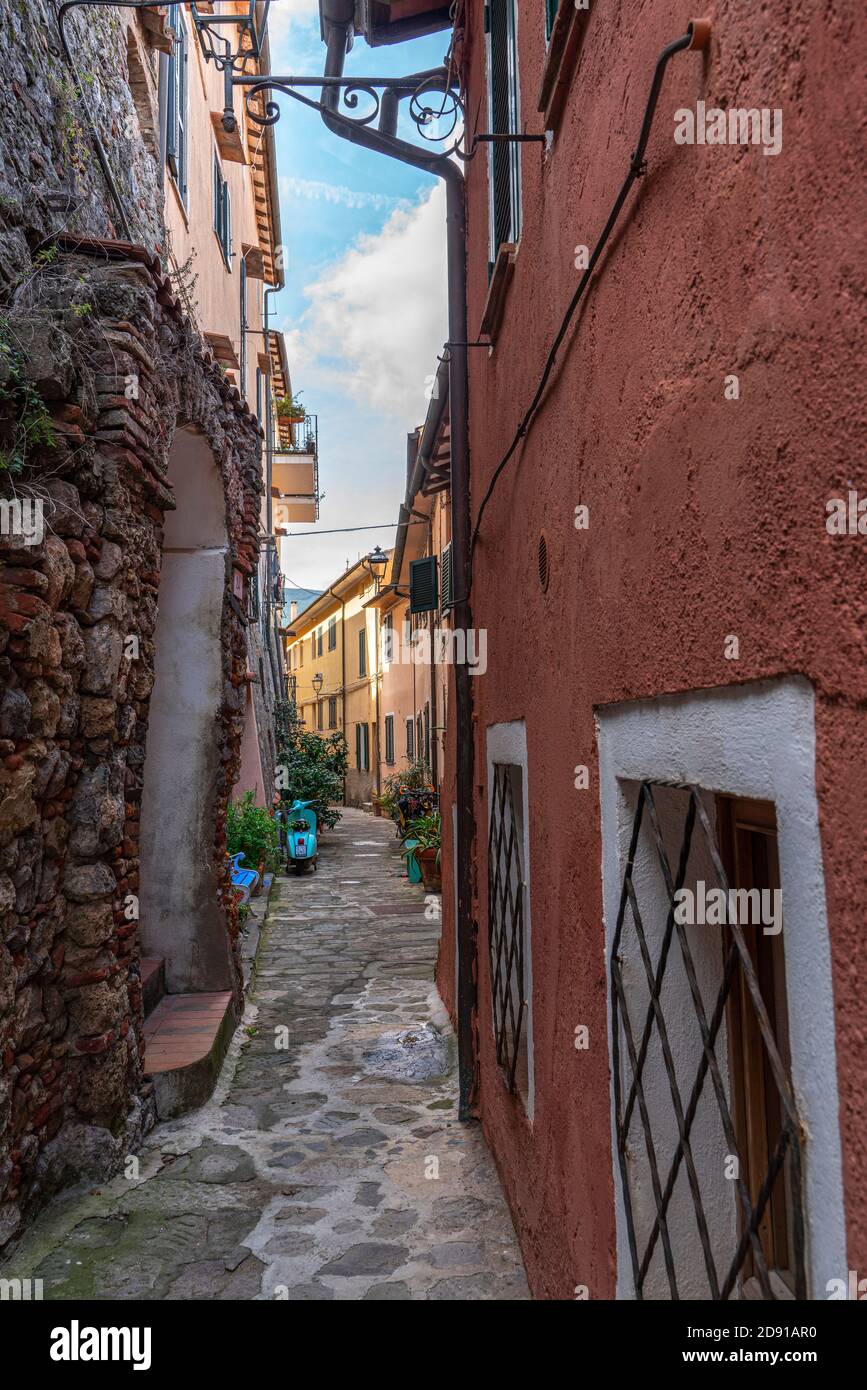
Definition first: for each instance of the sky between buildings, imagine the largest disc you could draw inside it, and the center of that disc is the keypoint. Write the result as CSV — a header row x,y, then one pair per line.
x,y
364,309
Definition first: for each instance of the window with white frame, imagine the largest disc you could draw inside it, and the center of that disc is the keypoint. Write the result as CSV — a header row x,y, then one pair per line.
x,y
724,1099
362,747
509,940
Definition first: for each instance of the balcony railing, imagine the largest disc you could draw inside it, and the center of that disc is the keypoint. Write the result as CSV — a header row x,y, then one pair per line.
x,y
296,474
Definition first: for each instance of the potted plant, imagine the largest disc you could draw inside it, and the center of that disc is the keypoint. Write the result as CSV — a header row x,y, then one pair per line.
x,y
290,408
409,788
252,830
426,833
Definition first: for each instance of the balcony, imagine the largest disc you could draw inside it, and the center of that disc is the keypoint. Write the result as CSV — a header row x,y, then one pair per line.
x,y
295,474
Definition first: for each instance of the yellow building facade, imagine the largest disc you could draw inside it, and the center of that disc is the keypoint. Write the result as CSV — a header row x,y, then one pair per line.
x,y
334,672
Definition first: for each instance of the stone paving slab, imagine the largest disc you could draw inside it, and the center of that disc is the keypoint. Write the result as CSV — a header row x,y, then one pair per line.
x,y
329,1164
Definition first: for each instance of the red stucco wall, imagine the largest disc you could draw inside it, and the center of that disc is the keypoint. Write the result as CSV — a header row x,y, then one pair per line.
x,y
707,515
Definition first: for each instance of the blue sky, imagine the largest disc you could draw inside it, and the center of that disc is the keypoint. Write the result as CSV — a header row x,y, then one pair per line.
x,y
364,306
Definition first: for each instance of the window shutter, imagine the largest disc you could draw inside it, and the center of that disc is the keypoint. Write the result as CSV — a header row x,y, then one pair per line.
x,y
172,94
423,585
358,746
447,583
410,739
551,8
182,105
505,156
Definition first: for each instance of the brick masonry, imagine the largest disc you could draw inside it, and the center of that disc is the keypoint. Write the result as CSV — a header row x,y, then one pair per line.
x,y
91,316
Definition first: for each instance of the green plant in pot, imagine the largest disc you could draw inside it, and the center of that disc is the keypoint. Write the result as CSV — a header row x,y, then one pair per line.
x,y
252,831
415,777
426,834
290,408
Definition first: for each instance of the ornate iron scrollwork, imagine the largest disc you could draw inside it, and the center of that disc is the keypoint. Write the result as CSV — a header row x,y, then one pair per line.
x,y
428,116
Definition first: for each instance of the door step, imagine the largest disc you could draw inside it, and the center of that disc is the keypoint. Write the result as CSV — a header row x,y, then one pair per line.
x,y
153,982
186,1038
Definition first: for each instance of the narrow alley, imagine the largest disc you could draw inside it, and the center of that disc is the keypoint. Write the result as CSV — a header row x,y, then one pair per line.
x,y
331,1168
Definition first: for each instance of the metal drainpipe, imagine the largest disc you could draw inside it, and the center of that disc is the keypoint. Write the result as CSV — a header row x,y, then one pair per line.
x,y
269,423
337,17
342,603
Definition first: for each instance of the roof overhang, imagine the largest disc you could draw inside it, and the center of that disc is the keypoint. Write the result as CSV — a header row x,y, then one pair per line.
x,y
394,21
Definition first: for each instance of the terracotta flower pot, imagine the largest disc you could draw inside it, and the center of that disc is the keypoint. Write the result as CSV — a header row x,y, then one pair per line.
x,y
430,869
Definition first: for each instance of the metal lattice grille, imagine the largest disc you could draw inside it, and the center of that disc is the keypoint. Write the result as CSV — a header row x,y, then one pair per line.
x,y
506,926
630,1078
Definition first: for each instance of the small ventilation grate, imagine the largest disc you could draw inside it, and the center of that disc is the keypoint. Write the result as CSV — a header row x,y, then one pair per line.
x,y
544,568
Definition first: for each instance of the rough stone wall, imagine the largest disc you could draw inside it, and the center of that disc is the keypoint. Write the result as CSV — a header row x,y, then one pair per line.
x,y
84,319
74,709
50,179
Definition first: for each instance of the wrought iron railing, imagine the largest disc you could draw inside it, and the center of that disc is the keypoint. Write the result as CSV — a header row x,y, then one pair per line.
x,y
506,926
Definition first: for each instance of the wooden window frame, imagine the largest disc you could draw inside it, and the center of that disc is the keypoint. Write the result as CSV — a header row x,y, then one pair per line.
x,y
747,838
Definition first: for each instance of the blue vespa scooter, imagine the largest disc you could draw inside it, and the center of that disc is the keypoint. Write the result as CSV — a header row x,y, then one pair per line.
x,y
302,845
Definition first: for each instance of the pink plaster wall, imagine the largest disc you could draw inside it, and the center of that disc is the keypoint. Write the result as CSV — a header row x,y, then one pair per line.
x,y
707,516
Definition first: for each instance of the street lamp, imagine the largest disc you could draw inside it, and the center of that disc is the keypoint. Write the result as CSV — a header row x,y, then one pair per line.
x,y
376,563
318,682
216,44
215,32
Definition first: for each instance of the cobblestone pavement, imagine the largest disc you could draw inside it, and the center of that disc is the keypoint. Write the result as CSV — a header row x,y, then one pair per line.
x,y
334,1169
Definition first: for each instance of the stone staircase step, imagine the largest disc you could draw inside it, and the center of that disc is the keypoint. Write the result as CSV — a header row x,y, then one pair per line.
x,y
186,1038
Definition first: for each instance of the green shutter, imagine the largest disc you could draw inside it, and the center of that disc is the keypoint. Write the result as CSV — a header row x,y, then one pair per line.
x,y
551,8
423,589
172,103
504,103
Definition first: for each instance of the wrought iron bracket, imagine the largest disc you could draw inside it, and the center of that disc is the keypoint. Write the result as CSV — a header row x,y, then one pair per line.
x,y
432,97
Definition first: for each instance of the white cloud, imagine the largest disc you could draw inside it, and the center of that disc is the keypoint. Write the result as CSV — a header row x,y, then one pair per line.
x,y
338,194
284,13
377,317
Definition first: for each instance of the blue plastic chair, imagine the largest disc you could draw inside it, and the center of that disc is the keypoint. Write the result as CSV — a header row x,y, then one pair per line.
x,y
244,880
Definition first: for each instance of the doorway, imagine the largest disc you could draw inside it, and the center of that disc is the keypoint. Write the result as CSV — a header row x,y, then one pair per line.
x,y
181,918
